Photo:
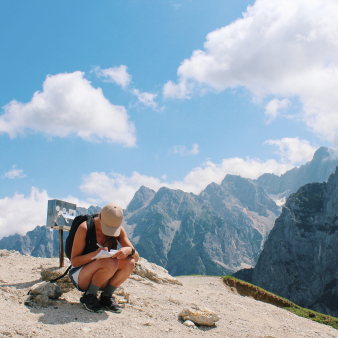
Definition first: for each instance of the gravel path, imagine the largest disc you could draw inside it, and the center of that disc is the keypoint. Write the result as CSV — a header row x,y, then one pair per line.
x,y
152,312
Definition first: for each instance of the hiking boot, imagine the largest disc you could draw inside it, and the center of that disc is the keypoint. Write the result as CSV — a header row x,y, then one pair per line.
x,y
91,303
110,304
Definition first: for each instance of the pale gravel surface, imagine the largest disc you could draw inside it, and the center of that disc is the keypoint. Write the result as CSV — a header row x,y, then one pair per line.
x,y
152,313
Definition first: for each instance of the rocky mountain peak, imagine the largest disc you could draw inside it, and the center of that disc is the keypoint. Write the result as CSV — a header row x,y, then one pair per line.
x,y
236,179
321,154
249,193
168,198
141,198
318,169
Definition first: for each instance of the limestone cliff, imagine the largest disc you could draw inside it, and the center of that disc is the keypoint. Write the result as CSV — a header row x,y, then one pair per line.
x,y
300,256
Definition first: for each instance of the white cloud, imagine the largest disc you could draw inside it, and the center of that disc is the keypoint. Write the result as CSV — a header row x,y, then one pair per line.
x,y
19,214
119,75
273,108
293,150
183,151
146,98
178,91
69,105
281,48
13,173
107,188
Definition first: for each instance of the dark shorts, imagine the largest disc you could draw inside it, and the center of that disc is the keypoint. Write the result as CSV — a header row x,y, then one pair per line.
x,y
74,276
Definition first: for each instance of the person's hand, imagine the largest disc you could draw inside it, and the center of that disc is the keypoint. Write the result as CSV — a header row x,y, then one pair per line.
x,y
101,248
123,253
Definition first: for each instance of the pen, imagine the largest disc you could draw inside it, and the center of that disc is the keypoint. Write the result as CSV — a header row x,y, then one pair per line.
x,y
99,245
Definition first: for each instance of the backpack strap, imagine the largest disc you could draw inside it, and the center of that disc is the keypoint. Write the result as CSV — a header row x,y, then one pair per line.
x,y
90,235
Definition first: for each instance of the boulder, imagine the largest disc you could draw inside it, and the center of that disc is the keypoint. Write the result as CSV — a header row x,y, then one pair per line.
x,y
199,315
50,290
43,294
51,273
154,272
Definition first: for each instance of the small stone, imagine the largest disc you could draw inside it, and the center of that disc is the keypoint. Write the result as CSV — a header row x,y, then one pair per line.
x,y
189,323
86,329
4,253
120,291
199,315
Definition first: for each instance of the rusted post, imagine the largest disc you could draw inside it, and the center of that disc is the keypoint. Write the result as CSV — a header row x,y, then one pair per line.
x,y
62,263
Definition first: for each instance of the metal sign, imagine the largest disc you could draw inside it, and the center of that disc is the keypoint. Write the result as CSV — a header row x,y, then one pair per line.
x,y
60,214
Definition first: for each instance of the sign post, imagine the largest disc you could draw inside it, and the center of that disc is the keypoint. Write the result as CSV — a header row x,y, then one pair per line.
x,y
61,251
60,216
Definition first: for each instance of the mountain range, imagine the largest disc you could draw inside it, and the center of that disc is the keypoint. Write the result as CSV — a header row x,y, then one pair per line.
x,y
216,232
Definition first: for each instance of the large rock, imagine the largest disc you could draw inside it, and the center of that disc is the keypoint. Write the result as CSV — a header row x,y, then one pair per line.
x,y
154,272
51,273
50,290
43,294
199,315
300,258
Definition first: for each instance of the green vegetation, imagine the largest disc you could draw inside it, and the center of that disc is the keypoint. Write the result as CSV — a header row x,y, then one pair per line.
x,y
247,289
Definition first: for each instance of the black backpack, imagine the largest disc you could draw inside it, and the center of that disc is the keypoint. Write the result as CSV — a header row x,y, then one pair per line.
x,y
76,223
90,236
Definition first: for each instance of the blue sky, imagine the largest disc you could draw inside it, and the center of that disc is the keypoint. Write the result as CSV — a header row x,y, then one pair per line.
x,y
101,97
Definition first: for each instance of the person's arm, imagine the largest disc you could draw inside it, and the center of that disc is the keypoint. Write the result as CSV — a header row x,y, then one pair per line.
x,y
127,247
79,244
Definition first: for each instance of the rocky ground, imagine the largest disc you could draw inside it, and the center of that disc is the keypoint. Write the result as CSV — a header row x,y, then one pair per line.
x,y
152,311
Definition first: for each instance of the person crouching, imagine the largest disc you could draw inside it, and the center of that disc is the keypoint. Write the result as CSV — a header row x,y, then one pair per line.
x,y
106,274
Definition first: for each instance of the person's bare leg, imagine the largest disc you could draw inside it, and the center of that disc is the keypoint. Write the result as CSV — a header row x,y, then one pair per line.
x,y
125,268
98,272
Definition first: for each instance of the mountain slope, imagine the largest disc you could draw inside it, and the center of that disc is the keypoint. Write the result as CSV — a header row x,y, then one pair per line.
x,y
300,256
243,203
217,232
